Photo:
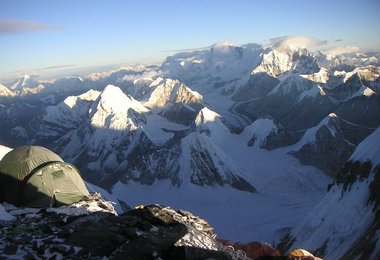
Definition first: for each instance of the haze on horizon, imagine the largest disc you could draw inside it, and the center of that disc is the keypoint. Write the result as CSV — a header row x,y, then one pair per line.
x,y
42,37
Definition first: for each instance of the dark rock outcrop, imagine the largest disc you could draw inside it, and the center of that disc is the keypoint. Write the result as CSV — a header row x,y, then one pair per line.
x,y
150,232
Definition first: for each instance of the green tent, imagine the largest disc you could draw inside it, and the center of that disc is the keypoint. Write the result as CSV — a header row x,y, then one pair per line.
x,y
33,176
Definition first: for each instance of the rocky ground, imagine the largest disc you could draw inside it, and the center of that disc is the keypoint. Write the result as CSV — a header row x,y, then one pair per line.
x,y
92,230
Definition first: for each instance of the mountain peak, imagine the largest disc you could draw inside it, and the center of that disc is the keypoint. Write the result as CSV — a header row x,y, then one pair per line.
x,y
206,116
24,82
222,46
172,91
114,110
280,60
211,123
324,145
114,100
5,92
332,115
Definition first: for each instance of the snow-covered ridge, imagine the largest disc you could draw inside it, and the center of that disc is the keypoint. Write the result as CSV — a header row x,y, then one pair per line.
x,y
275,62
324,145
71,111
101,75
4,150
368,73
211,123
322,76
26,85
310,134
90,95
293,85
324,225
278,61
256,133
6,92
171,91
206,116
369,149
222,64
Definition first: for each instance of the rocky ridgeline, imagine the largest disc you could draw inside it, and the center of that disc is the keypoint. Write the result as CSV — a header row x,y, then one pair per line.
x,y
92,230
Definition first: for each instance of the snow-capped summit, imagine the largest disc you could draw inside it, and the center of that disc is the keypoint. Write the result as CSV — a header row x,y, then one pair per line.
x,y
322,76
113,100
107,135
26,85
172,91
344,86
279,71
203,162
324,145
174,100
6,92
223,64
206,116
67,114
27,81
366,74
222,46
93,128
113,109
329,122
278,61
346,58
211,123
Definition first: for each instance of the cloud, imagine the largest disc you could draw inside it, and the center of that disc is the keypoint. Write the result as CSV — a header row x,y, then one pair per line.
x,y
189,50
38,70
218,45
338,40
21,26
294,41
342,50
59,67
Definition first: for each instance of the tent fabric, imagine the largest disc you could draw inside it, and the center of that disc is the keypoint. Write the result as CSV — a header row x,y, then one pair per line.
x,y
57,184
21,161
34,176
299,252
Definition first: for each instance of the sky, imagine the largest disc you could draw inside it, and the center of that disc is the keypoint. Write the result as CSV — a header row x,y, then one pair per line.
x,y
45,35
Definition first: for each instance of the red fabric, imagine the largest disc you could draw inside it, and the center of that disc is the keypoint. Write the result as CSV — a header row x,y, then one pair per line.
x,y
252,249
255,249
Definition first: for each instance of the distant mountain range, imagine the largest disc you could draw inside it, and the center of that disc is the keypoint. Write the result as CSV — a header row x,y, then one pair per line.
x,y
266,122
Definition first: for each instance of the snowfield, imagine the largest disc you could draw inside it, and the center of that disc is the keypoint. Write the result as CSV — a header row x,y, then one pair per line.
x,y
286,193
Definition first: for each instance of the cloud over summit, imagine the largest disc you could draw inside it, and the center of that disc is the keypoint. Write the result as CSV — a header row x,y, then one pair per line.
x,y
296,41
